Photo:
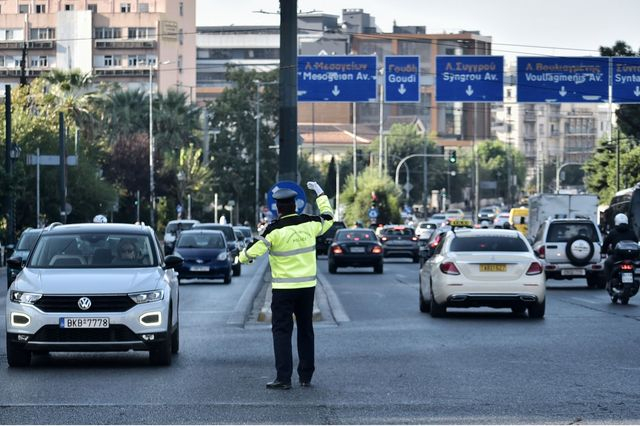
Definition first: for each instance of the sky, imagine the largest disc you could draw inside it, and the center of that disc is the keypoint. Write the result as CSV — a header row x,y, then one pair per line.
x,y
517,27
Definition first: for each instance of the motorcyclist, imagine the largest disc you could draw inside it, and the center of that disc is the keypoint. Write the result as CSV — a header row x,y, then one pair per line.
x,y
621,232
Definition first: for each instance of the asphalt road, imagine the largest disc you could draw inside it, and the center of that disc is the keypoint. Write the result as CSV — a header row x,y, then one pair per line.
x,y
378,360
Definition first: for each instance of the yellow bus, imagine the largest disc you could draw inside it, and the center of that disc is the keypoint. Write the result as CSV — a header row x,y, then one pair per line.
x,y
519,219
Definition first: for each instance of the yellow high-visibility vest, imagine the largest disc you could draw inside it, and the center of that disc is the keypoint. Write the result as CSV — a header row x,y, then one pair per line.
x,y
291,243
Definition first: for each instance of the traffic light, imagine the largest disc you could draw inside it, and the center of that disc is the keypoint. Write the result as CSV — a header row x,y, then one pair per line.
x,y
452,157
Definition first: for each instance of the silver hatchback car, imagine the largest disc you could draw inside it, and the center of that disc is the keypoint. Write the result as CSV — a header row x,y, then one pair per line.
x,y
94,287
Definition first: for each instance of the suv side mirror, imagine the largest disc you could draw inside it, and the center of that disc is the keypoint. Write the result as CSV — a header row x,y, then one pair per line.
x,y
15,263
172,261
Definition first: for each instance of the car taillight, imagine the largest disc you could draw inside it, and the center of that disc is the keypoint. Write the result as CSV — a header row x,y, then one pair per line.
x,y
436,241
626,267
336,250
376,250
541,252
449,268
534,269
383,239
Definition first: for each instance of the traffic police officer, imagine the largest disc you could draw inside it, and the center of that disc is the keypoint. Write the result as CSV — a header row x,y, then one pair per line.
x,y
291,243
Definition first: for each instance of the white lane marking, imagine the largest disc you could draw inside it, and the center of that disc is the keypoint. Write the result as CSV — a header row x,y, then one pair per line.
x,y
580,299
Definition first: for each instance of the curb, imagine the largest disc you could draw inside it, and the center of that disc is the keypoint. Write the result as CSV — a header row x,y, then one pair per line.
x,y
245,303
333,302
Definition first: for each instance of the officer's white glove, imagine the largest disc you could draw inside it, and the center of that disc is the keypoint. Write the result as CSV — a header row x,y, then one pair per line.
x,y
315,187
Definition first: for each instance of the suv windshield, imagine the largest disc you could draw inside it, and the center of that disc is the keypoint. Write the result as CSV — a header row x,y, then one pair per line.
x,y
562,232
486,243
107,250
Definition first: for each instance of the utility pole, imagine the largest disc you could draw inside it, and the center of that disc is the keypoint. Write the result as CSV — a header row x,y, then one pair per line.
x,y
288,140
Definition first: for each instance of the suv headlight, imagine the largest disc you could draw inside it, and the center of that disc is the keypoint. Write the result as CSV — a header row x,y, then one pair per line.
x,y
24,297
147,296
222,256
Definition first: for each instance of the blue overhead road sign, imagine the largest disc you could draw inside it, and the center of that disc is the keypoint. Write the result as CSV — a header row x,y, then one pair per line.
x,y
469,78
336,78
626,80
563,79
402,79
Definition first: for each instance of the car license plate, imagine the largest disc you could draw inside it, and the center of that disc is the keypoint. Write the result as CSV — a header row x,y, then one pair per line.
x,y
357,249
627,277
84,322
580,272
493,267
199,268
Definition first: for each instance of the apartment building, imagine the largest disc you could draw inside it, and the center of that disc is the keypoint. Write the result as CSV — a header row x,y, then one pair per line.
x,y
122,41
353,32
549,134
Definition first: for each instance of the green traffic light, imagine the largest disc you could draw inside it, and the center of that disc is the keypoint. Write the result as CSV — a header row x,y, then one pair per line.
x,y
452,157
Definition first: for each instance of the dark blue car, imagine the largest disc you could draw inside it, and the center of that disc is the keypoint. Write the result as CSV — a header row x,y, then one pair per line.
x,y
206,256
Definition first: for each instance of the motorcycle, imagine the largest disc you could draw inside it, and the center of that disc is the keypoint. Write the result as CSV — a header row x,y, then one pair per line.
x,y
625,272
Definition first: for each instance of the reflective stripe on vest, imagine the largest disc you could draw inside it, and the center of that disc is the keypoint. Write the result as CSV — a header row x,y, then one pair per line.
x,y
293,252
293,280
265,241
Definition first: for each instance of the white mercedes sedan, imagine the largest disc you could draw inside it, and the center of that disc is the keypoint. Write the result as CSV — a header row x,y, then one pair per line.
x,y
483,267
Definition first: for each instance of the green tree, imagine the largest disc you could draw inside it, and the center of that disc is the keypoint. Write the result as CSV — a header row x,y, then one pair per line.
x,y
359,202
175,122
233,157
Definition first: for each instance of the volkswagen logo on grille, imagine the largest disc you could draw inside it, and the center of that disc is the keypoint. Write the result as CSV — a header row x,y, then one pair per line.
x,y
84,303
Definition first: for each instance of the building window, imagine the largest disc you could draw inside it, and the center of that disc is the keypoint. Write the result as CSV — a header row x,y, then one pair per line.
x,y
1,61
133,61
108,61
181,36
41,8
39,61
93,8
125,7
101,33
143,8
142,33
23,8
181,8
43,33
68,7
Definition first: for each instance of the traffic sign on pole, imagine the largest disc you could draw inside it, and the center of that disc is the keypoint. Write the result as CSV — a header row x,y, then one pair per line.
x,y
563,79
402,78
469,78
626,80
337,78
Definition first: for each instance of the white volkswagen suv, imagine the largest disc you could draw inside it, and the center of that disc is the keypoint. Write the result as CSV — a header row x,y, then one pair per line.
x,y
94,287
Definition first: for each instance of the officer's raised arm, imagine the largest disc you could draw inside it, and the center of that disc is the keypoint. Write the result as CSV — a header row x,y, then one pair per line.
x,y
326,212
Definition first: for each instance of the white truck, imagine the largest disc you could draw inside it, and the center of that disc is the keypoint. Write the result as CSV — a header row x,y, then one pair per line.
x,y
560,206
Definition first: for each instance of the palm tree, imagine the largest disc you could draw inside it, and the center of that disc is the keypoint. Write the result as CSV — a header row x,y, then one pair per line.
x,y
125,113
175,121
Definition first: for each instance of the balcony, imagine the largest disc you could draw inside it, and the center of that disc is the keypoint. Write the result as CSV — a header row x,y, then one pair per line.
x,y
121,72
31,44
529,116
17,72
125,44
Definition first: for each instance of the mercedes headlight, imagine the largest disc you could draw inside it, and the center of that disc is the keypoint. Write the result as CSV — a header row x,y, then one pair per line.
x,y
147,296
222,256
24,297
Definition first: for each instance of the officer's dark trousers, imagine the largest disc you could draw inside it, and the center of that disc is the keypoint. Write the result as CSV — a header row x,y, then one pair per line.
x,y
284,304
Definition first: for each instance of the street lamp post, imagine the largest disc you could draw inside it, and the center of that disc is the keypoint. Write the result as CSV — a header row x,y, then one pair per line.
x,y
152,189
259,85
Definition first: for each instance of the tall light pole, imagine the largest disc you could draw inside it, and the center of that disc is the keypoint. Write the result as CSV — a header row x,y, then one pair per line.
x,y
152,188
259,85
